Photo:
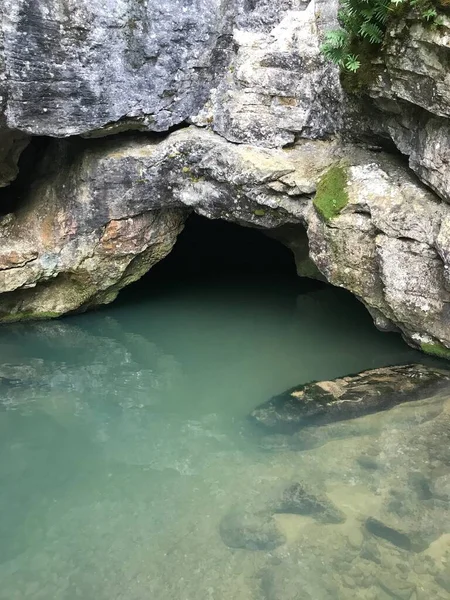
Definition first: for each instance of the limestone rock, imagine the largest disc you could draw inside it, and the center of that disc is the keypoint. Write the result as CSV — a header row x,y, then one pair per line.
x,y
417,65
66,254
279,85
114,66
93,224
376,227
348,397
76,67
412,91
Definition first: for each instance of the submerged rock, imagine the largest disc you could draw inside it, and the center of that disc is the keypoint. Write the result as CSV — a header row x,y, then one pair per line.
x,y
347,397
394,536
300,499
275,586
252,531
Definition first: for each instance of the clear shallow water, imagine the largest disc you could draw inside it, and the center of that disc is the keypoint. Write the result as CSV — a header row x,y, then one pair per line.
x,y
124,444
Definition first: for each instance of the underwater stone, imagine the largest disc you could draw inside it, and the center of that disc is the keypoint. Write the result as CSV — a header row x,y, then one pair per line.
x,y
252,531
396,587
276,587
300,499
443,579
395,537
441,487
413,535
370,551
350,397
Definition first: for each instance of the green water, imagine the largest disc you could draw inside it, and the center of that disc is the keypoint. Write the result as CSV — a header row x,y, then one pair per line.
x,y
124,443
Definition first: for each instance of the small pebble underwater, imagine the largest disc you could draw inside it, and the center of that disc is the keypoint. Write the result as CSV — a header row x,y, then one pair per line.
x,y
130,471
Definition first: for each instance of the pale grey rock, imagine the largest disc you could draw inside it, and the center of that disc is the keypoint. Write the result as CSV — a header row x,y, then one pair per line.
x,y
412,90
11,142
80,67
99,68
279,84
417,59
73,67
425,139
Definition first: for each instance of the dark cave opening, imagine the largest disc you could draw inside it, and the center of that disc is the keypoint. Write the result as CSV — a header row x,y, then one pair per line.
x,y
13,195
220,268
213,249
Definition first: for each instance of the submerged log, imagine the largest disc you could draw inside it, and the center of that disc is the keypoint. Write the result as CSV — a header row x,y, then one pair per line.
x,y
321,402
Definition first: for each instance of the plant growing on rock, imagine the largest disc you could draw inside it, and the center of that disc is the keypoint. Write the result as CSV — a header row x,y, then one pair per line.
x,y
331,195
363,27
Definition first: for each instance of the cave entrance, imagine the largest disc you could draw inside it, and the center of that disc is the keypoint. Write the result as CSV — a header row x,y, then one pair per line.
x,y
229,299
213,249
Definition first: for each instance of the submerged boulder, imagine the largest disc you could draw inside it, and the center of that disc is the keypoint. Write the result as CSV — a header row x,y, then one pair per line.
x,y
300,499
350,397
252,531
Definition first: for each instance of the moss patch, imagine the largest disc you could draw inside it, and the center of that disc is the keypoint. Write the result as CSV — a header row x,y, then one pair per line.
x,y
435,349
331,196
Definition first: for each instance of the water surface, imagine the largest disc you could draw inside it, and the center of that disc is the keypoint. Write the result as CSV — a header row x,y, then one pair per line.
x,y
124,444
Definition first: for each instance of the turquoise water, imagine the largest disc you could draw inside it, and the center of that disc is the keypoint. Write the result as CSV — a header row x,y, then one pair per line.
x,y
124,443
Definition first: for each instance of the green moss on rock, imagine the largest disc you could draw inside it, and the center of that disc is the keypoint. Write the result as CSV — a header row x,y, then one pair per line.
x,y
436,349
331,196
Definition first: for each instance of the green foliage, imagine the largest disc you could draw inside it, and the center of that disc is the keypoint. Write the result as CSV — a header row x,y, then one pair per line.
x,y
331,195
363,23
436,349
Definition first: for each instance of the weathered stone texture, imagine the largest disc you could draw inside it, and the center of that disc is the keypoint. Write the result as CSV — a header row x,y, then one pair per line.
x,y
104,212
279,85
75,66
413,92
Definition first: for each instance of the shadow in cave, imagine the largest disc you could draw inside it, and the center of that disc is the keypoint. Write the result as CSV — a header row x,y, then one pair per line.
x,y
214,259
215,251
12,196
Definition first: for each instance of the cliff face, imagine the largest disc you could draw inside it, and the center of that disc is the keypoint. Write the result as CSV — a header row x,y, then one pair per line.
x,y
269,126
412,90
